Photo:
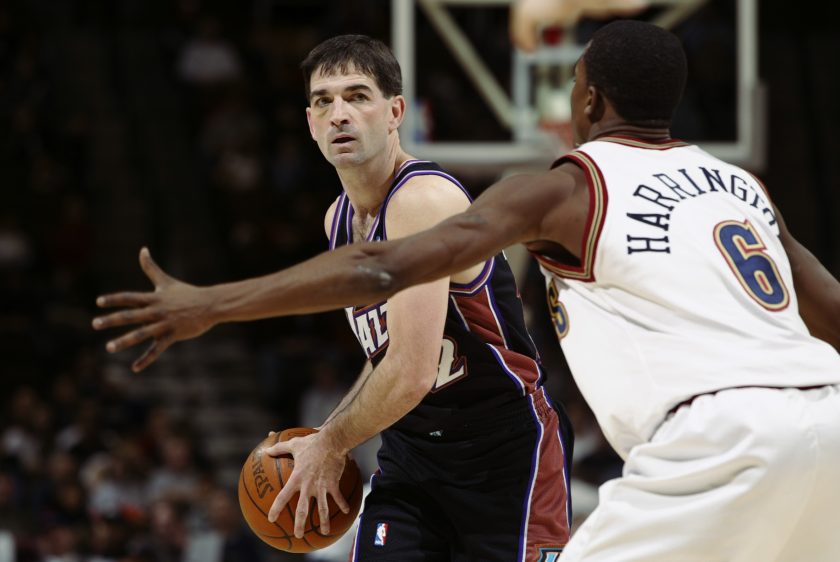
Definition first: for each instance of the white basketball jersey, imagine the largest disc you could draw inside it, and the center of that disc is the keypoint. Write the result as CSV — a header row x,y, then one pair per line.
x,y
683,288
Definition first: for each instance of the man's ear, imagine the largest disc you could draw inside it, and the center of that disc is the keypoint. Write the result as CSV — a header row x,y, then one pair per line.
x,y
595,104
309,122
397,112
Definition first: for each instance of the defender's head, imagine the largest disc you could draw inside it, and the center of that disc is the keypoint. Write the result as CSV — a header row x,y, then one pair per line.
x,y
636,68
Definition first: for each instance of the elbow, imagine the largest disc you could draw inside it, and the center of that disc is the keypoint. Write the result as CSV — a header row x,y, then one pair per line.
x,y
415,388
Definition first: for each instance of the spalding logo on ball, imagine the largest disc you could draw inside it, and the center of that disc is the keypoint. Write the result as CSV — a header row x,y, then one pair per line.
x,y
262,478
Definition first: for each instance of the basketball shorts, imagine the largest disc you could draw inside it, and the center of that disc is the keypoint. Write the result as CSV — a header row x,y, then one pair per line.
x,y
743,475
495,494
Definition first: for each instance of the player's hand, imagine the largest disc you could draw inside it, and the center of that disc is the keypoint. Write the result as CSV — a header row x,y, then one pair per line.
x,y
528,17
174,311
317,472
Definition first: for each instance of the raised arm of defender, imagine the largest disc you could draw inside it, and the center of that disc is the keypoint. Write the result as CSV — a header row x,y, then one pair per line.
x,y
519,208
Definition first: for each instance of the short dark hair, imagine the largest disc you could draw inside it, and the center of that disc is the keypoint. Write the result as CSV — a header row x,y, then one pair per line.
x,y
360,52
640,67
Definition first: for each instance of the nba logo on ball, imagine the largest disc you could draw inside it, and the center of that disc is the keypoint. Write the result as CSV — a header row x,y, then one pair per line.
x,y
381,534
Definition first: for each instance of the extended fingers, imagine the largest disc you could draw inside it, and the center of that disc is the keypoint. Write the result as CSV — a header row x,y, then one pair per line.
x,y
302,513
324,511
282,499
159,345
130,299
152,269
336,494
127,317
134,337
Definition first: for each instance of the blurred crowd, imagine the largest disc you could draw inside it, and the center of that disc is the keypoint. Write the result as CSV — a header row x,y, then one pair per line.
x,y
91,473
91,470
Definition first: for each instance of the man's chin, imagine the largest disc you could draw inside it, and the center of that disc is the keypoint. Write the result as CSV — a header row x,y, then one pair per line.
x,y
346,159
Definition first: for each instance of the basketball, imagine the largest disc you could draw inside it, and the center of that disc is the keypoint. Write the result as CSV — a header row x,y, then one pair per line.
x,y
262,478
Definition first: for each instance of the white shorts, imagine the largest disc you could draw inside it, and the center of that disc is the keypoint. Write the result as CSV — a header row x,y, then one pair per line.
x,y
744,475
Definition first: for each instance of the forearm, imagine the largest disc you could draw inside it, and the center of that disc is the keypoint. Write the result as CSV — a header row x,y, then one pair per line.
x,y
328,281
386,395
359,273
354,390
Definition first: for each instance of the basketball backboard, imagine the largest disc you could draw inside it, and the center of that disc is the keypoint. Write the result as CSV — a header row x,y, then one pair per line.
x,y
533,105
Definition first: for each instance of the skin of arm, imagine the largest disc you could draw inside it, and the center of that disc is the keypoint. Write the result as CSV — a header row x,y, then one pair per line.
x,y
416,318
367,369
549,206
817,291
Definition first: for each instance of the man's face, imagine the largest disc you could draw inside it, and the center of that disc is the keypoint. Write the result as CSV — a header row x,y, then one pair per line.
x,y
349,117
580,100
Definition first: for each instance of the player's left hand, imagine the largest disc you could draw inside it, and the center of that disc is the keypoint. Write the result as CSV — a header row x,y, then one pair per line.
x,y
317,472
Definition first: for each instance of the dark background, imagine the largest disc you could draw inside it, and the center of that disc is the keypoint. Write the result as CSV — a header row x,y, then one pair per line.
x,y
180,125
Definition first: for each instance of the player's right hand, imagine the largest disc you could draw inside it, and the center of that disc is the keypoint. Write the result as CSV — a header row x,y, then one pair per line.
x,y
174,311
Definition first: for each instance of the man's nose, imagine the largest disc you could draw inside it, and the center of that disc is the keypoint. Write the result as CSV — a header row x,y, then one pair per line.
x,y
338,112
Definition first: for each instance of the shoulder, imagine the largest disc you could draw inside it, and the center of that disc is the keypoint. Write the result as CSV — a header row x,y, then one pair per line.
x,y
330,215
422,202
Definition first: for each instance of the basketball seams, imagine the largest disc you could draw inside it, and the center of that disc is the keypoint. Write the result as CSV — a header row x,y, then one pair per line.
x,y
242,481
312,539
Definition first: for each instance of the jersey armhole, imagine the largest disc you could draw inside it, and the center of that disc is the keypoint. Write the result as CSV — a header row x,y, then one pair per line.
x,y
594,221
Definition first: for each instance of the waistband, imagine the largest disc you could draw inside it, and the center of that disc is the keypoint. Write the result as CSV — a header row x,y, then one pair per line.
x,y
690,399
510,415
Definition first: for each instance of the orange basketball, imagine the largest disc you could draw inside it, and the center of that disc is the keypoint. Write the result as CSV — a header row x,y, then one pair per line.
x,y
260,481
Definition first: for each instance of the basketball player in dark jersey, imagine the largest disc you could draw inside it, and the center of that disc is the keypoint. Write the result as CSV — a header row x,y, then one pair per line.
x,y
472,462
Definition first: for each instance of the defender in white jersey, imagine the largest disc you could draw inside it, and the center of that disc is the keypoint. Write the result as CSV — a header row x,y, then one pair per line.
x,y
703,335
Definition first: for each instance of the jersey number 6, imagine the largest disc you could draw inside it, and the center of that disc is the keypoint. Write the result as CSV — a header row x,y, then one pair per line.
x,y
745,253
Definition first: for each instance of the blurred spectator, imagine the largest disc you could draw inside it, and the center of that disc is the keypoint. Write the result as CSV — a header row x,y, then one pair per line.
x,y
227,539
116,483
15,246
207,59
19,440
86,435
177,479
167,535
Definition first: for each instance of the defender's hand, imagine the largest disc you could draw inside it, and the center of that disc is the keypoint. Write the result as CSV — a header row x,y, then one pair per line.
x,y
174,311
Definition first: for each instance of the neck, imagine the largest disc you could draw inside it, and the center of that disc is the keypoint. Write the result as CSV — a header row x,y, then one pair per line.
x,y
622,128
367,184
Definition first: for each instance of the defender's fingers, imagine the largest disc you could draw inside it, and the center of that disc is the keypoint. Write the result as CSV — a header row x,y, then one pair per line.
x,y
135,336
152,353
126,317
324,512
130,299
152,269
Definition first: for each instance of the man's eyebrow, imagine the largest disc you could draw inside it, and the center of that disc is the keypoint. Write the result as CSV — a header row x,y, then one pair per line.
x,y
350,88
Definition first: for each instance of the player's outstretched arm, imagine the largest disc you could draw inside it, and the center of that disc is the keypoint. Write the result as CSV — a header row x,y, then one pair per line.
x,y
516,209
817,290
